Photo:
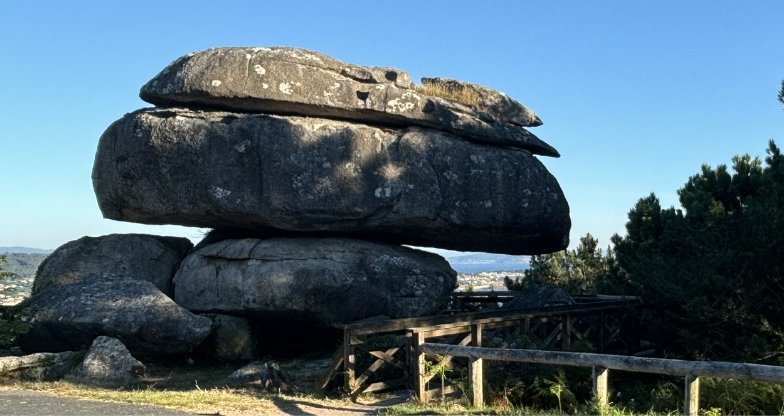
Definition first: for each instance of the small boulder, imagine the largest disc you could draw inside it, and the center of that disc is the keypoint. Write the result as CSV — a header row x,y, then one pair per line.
x,y
540,296
134,311
108,363
261,376
42,366
138,256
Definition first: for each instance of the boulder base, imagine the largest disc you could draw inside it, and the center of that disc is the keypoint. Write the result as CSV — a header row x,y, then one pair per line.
x,y
411,186
332,281
142,257
134,311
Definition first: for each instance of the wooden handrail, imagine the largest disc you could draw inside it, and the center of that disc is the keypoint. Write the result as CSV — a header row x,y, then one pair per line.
x,y
600,363
393,325
739,371
513,317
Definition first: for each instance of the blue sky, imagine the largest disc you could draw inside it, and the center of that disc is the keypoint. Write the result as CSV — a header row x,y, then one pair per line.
x,y
636,95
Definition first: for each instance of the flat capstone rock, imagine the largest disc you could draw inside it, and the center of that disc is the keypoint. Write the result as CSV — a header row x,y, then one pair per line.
x,y
282,80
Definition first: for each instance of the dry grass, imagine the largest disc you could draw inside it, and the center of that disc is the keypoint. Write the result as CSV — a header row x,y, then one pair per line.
x,y
461,95
198,389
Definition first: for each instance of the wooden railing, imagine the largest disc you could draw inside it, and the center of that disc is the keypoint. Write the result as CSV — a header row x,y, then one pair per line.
x,y
601,364
400,352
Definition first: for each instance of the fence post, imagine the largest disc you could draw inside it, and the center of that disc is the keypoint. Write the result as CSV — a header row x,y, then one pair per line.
x,y
601,331
567,333
418,362
600,375
691,405
348,360
475,368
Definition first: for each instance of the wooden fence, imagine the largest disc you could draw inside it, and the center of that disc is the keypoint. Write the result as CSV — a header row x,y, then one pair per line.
x,y
601,364
553,326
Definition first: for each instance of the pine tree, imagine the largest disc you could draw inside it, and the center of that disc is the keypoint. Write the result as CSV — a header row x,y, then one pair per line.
x,y
709,273
3,274
575,271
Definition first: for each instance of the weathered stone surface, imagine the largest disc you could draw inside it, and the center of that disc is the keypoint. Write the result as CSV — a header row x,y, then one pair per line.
x,y
108,363
411,186
42,366
328,280
232,338
138,256
259,375
134,311
494,103
297,81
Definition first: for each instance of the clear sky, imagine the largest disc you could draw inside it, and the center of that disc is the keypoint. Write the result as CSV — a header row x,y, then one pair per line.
x,y
635,95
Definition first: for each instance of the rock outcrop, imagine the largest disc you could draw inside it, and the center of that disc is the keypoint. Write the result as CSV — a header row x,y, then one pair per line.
x,y
283,80
312,173
138,256
134,311
411,186
328,280
108,363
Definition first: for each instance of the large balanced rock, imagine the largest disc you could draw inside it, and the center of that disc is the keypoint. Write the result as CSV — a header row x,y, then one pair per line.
x,y
134,311
413,186
328,280
297,81
138,256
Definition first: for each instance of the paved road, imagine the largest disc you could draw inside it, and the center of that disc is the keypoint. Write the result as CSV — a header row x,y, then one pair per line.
x,y
34,403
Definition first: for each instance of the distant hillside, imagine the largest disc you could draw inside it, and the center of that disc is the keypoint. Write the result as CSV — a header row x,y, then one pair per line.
x,y
27,250
23,265
485,258
484,262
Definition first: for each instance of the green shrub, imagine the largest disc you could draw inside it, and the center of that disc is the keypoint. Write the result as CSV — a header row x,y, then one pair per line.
x,y
11,327
735,397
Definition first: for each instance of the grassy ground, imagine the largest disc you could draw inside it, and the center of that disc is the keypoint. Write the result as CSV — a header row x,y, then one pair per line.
x,y
198,389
